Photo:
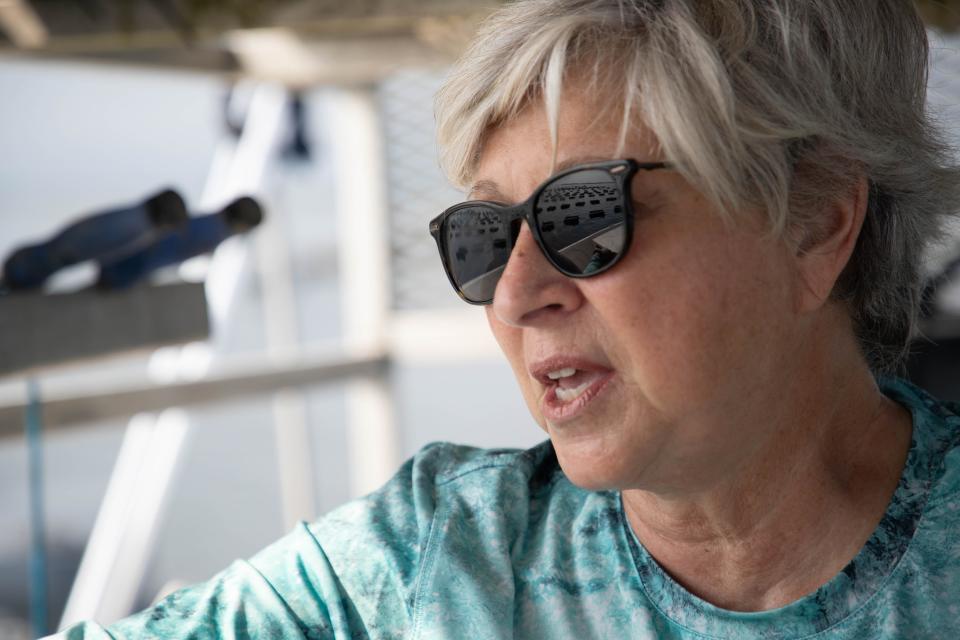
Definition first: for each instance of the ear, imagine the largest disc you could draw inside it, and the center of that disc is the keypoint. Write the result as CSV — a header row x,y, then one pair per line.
x,y
822,257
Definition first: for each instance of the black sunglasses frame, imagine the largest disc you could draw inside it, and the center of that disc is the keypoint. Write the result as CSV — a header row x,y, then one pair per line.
x,y
622,170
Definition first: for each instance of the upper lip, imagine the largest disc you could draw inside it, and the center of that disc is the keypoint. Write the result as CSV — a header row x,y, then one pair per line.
x,y
540,369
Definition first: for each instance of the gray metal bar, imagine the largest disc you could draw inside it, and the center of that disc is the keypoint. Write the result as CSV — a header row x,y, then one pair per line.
x,y
64,411
39,330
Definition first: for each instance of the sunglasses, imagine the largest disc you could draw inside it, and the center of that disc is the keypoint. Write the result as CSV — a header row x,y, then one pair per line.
x,y
581,218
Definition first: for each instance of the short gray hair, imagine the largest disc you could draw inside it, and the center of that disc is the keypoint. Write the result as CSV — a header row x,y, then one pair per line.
x,y
781,104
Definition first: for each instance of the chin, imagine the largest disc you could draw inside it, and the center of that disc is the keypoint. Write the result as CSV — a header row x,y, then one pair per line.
x,y
592,478
592,466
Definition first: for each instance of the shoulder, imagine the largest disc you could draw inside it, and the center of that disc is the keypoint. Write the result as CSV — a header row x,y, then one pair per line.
x,y
440,465
450,461
437,474
927,578
385,538
936,426
935,440
940,436
455,464
931,481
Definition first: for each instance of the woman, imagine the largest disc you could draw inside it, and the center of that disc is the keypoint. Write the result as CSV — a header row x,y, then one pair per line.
x,y
697,228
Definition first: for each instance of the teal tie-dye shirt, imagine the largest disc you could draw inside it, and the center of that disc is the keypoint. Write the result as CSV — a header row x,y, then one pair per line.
x,y
468,543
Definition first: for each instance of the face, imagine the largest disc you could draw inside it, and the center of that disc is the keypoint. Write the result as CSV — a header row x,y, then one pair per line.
x,y
674,352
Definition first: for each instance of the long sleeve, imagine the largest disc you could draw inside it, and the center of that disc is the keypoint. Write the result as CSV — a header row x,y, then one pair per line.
x,y
349,575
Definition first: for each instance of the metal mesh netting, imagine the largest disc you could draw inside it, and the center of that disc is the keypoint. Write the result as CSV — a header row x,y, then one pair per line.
x,y
943,93
416,189
944,83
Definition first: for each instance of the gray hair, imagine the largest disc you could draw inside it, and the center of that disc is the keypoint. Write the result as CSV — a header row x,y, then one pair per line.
x,y
781,104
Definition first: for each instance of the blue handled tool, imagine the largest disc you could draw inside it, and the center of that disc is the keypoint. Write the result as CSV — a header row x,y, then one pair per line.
x,y
101,236
200,235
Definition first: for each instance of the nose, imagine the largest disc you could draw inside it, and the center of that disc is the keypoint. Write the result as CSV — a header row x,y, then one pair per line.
x,y
531,291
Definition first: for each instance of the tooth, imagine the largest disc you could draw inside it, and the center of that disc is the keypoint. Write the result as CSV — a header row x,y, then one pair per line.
x,y
562,373
567,395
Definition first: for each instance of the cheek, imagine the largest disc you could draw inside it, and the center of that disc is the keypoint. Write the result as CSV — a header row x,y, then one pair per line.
x,y
691,320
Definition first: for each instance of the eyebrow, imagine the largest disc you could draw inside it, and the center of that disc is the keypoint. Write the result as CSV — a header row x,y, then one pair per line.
x,y
487,188
491,189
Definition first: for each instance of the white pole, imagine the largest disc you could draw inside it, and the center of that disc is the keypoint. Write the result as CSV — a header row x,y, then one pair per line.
x,y
363,251
121,542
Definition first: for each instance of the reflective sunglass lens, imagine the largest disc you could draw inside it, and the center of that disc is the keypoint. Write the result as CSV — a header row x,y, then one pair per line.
x,y
582,221
478,246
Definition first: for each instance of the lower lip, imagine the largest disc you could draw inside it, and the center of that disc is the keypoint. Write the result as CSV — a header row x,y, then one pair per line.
x,y
558,412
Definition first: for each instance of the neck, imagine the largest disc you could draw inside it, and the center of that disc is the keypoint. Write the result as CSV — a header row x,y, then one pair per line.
x,y
788,519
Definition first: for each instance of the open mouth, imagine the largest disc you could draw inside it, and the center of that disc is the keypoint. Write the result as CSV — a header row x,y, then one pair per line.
x,y
571,383
570,390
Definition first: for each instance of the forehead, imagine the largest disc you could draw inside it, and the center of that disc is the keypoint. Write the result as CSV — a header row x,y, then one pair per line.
x,y
490,189
519,154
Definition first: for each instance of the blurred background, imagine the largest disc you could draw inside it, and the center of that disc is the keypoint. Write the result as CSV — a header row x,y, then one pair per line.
x,y
152,433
